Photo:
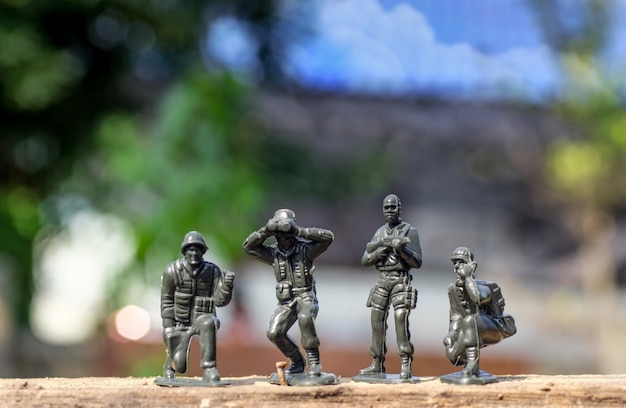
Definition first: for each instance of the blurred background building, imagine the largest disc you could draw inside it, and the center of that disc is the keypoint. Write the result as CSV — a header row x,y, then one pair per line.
x,y
126,123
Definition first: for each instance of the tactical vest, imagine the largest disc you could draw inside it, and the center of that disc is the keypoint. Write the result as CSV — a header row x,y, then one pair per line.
x,y
294,267
393,262
193,296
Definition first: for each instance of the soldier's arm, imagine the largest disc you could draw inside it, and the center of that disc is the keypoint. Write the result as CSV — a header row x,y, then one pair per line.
x,y
224,288
411,251
471,287
454,327
375,250
168,287
253,245
322,238
374,244
371,258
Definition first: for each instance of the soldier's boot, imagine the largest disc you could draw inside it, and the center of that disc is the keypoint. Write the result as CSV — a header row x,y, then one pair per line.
x,y
210,373
405,371
168,371
297,363
471,368
376,369
313,361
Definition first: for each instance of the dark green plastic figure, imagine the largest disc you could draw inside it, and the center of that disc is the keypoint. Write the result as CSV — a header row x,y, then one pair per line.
x,y
394,250
477,320
191,289
292,260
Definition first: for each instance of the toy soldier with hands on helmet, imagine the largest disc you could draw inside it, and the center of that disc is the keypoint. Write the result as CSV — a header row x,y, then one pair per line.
x,y
191,289
292,260
394,250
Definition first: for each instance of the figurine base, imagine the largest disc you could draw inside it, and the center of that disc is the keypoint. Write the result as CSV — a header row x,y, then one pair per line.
x,y
385,379
458,378
188,382
305,379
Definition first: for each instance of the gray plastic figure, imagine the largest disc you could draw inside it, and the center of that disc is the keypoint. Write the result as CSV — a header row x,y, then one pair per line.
x,y
394,250
191,289
477,320
292,259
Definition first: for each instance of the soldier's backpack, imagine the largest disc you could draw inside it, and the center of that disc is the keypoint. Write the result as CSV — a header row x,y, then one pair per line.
x,y
497,304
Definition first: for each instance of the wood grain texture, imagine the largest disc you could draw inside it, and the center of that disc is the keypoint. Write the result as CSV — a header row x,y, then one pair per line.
x,y
519,390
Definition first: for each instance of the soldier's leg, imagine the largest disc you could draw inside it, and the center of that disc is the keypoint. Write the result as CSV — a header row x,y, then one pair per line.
x,y
307,308
379,303
168,370
402,304
469,331
177,344
471,342
281,321
206,327
490,330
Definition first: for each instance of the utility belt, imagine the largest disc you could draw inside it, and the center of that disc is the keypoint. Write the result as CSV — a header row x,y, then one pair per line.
x,y
286,291
380,297
297,291
393,273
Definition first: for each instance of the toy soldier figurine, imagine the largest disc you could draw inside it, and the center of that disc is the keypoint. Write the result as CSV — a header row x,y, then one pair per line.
x,y
292,259
477,320
394,250
191,289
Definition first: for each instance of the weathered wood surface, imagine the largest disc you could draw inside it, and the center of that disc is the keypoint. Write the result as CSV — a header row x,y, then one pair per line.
x,y
520,390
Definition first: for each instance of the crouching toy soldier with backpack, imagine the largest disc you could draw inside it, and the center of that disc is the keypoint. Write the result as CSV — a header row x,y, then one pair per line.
x,y
477,320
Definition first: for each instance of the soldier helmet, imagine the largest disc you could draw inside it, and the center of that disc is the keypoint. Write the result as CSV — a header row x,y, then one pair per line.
x,y
392,199
193,238
463,254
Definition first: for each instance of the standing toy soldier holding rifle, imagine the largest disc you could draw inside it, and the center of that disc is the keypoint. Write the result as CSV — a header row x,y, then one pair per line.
x,y
394,250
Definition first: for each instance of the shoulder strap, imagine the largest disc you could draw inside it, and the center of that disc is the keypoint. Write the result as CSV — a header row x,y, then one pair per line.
x,y
178,270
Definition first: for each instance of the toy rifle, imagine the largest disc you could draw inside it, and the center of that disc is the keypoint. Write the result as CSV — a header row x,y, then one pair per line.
x,y
387,241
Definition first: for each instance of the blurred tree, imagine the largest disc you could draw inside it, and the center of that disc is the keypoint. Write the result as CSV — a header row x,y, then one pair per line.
x,y
585,173
587,170
64,66
110,102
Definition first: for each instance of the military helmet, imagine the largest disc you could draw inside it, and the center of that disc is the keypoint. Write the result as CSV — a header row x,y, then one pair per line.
x,y
463,254
193,238
392,199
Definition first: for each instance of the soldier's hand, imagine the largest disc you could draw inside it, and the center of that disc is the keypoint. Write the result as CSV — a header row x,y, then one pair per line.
x,y
381,253
397,243
451,338
229,278
292,227
465,271
272,225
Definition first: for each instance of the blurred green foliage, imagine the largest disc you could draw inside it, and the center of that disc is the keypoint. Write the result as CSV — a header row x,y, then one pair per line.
x,y
64,66
204,163
109,105
589,168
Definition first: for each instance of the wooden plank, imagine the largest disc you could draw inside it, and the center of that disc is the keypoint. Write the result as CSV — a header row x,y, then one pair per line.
x,y
518,390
